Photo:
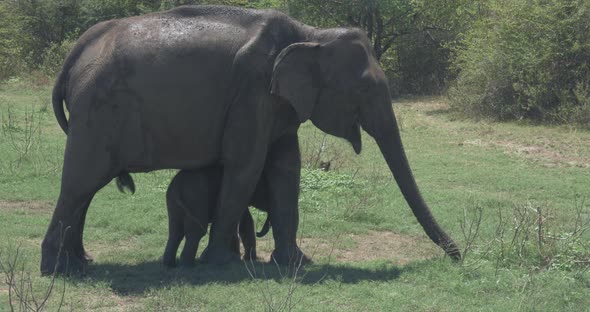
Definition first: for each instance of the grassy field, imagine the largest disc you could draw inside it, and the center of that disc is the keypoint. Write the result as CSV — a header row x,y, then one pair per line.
x,y
516,198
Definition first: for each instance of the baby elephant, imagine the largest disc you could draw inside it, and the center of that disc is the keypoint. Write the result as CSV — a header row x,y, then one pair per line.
x,y
191,201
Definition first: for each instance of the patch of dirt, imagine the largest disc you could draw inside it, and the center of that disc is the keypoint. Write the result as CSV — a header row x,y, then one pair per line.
x,y
546,153
397,248
30,206
388,245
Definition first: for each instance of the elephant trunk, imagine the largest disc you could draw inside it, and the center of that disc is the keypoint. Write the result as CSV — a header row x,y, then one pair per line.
x,y
383,127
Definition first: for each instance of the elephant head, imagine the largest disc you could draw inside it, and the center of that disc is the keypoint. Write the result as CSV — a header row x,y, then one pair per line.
x,y
334,80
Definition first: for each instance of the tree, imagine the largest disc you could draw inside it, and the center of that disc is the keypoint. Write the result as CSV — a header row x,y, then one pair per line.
x,y
10,39
526,60
383,20
410,37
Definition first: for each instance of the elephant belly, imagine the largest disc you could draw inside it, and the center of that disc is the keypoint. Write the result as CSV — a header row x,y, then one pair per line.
x,y
182,115
176,130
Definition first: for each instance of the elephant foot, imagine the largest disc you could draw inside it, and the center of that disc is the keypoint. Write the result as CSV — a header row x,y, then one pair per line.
x,y
219,256
187,262
67,261
83,254
250,256
289,257
88,257
169,261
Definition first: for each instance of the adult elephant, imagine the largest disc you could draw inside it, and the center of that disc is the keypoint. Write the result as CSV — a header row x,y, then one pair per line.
x,y
203,85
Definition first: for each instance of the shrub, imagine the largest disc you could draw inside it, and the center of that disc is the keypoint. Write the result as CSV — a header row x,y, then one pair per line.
x,y
54,57
526,60
10,39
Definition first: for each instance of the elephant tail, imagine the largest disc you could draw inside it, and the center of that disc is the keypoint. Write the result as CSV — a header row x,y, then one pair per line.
x,y
57,99
265,227
59,89
125,182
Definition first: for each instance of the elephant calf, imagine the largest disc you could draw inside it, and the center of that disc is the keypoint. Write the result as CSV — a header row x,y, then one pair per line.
x,y
191,200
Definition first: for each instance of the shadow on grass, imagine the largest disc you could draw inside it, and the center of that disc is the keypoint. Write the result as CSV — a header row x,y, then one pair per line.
x,y
136,279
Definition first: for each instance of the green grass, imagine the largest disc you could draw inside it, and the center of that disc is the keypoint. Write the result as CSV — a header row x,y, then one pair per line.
x,y
347,216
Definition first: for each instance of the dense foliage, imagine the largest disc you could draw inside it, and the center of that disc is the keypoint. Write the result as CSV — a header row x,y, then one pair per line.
x,y
410,37
506,59
527,59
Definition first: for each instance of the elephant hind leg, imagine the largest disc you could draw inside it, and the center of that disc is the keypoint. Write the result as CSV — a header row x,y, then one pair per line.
x,y
62,248
86,170
194,232
246,230
80,251
175,236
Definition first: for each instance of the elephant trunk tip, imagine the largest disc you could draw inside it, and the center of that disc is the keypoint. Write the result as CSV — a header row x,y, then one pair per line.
x,y
453,251
440,238
450,248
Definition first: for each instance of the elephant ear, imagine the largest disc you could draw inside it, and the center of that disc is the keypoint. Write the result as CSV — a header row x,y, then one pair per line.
x,y
297,77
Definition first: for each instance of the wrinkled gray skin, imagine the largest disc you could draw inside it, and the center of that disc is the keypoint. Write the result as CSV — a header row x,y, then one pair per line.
x,y
191,204
205,85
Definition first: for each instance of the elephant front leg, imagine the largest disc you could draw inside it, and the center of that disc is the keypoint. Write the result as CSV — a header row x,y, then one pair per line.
x,y
222,239
244,150
282,174
236,189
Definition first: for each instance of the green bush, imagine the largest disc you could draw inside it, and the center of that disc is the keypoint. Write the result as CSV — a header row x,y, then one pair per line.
x,y
526,59
54,57
11,39
417,65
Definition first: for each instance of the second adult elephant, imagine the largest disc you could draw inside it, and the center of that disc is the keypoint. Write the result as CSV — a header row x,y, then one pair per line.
x,y
213,85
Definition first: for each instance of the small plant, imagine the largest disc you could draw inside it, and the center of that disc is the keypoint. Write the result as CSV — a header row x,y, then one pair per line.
x,y
470,225
320,151
23,133
290,276
21,289
315,157
319,180
573,251
529,240
525,239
